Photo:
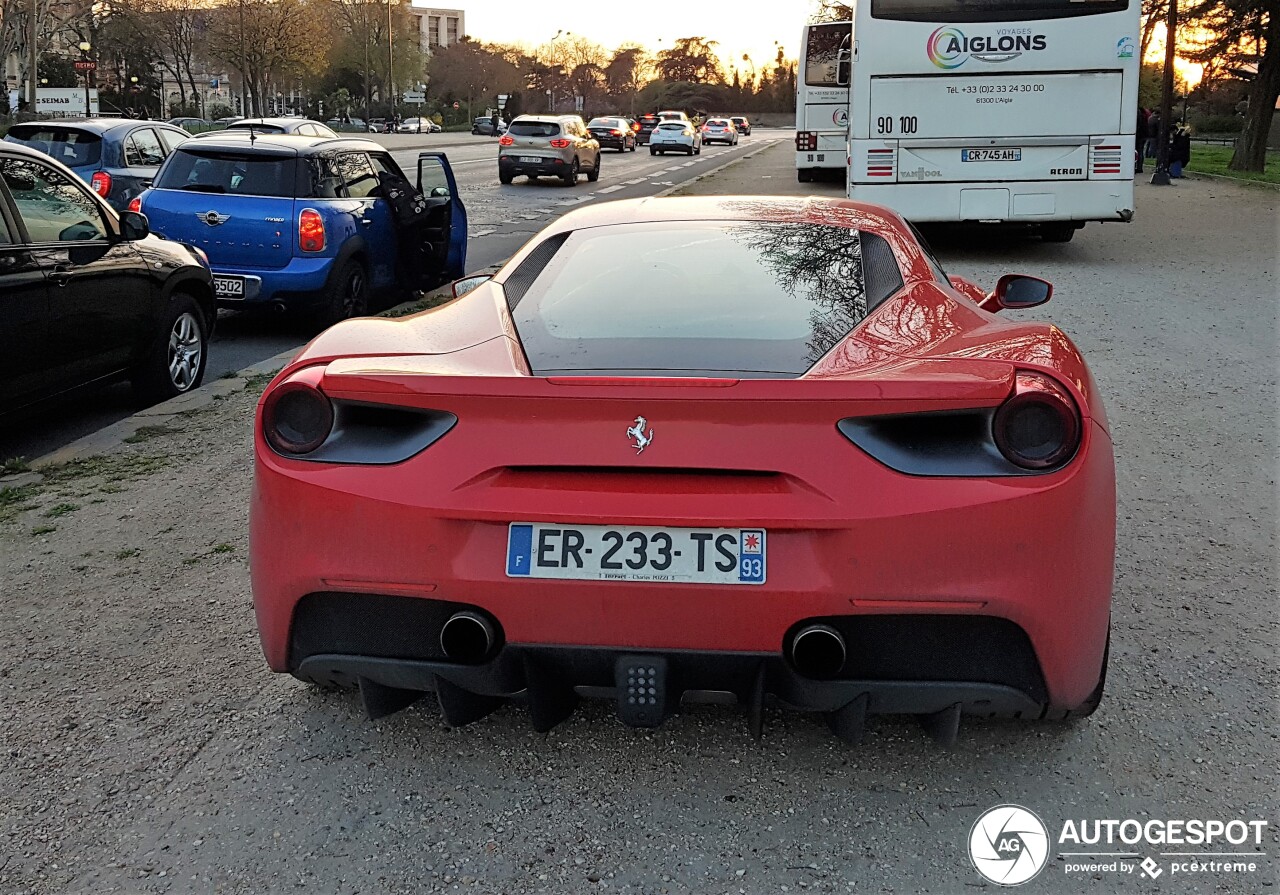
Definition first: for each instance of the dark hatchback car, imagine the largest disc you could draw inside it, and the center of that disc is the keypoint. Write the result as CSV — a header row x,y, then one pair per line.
x,y
118,157
87,295
647,123
613,133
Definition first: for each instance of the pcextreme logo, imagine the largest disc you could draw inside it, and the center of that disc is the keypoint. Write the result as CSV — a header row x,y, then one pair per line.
x,y
948,47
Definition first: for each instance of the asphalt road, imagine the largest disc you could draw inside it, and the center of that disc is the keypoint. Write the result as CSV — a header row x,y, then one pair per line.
x,y
501,218
146,749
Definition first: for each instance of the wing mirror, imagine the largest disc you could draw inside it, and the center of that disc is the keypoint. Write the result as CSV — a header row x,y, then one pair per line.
x,y
467,284
1017,291
134,226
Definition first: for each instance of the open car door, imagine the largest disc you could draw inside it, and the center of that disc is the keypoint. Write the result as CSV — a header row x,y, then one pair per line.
x,y
445,233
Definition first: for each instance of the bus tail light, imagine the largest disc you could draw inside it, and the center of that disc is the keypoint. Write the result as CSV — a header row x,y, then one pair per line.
x,y
806,141
1105,159
881,162
311,235
101,183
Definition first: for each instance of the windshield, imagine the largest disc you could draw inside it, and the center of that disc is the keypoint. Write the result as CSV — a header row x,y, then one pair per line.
x,y
799,289
229,172
949,11
74,148
822,54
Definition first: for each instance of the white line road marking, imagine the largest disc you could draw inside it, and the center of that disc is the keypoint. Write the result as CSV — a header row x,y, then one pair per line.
x,y
610,189
687,164
634,181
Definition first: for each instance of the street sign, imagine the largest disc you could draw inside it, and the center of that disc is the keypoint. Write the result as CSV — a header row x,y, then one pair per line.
x,y
84,65
502,100
457,105
415,97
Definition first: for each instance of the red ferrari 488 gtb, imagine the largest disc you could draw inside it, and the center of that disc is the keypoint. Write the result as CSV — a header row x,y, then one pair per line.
x,y
842,485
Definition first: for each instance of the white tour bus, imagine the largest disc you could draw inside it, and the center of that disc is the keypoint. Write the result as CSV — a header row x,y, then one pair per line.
x,y
1002,111
822,99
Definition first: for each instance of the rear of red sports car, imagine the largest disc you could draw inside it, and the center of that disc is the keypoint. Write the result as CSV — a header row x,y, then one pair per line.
x,y
844,488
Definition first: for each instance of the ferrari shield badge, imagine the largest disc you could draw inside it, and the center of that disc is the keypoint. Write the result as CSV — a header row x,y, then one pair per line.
x,y
637,435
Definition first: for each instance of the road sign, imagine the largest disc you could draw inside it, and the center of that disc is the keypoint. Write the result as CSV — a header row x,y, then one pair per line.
x,y
84,65
457,105
502,100
415,97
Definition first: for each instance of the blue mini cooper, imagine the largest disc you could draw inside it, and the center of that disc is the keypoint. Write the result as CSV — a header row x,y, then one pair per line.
x,y
328,226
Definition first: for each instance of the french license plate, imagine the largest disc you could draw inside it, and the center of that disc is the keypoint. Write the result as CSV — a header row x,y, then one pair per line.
x,y
990,155
636,553
529,159
228,287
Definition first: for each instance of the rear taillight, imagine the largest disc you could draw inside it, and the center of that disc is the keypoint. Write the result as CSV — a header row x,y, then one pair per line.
x,y
636,127
706,127
101,183
616,133
1039,426
506,140
296,418
311,237
806,141
560,143
135,204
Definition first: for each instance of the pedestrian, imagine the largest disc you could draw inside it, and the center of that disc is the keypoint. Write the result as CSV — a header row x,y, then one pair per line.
x,y
493,122
1140,135
1153,134
1179,149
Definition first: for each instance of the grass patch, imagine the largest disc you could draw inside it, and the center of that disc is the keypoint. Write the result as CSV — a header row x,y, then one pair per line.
x,y
128,553
191,560
14,465
43,530
224,548
112,467
14,500
59,510
1214,160
146,433
258,382
230,374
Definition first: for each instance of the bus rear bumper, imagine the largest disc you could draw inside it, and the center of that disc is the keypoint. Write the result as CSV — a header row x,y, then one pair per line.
x,y
1030,202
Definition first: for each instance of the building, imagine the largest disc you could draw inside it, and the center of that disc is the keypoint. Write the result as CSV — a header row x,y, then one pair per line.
x,y
437,27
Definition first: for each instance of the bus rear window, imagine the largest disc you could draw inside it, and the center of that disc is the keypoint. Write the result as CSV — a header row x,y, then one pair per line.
x,y
822,54
954,11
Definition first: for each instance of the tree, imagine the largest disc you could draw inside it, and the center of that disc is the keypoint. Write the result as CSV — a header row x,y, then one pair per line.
x,y
267,41
164,31
1246,32
692,59
470,70
625,73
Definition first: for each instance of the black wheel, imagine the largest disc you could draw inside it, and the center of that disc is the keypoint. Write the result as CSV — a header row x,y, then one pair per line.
x,y
652,151
346,296
571,179
175,362
698,151
503,177
1057,232
595,172
804,175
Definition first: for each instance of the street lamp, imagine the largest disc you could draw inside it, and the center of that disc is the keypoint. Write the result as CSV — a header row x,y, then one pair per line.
x,y
85,47
133,87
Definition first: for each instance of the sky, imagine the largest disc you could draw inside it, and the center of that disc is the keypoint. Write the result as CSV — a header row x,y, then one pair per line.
x,y
740,26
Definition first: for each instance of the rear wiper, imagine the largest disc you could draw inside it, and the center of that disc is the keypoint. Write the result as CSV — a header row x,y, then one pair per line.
x,y
203,188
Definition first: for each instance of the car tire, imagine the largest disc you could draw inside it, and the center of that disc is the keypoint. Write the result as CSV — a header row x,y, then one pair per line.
x,y
175,362
595,172
346,295
571,179
698,151
1057,232
505,178
652,151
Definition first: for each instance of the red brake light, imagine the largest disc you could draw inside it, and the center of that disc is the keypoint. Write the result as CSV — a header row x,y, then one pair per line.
x,y
506,140
135,204
101,183
560,143
636,126
296,418
1039,426
311,236
616,132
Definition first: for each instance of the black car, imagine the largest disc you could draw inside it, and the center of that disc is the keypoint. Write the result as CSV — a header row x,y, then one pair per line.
x,y
118,157
87,295
613,133
647,123
742,124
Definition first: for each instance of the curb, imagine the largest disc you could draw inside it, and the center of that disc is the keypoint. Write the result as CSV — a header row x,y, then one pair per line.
x,y
1224,178
707,173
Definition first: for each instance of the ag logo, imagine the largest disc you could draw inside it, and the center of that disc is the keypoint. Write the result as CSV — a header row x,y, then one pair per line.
x,y
1009,845
840,117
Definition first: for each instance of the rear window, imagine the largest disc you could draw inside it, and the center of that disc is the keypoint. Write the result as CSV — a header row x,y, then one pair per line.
x,y
718,122
229,172
533,129
990,10
672,126
822,53
606,122
74,148
256,127
797,290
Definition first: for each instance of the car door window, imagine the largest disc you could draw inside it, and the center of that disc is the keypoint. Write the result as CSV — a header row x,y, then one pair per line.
x,y
171,139
356,174
142,149
53,206
383,165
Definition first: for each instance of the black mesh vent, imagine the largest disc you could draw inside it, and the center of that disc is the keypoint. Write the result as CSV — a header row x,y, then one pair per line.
x,y
519,282
880,271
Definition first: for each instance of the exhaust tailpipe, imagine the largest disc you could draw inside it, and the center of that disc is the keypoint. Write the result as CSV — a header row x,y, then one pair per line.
x,y
818,651
467,637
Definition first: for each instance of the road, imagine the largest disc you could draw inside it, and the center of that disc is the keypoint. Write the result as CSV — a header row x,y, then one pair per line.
x,y
501,218
148,750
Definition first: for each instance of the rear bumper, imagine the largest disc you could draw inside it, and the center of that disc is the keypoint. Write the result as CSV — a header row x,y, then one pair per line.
x,y
665,145
553,166
298,282
1027,202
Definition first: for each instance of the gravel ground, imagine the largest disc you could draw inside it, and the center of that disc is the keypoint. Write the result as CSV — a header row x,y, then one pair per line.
x,y
147,749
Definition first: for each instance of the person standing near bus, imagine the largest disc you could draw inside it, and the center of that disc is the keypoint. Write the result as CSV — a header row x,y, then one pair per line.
x,y
1153,135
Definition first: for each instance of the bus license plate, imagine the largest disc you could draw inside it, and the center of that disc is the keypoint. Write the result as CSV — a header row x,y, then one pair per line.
x,y
990,155
636,553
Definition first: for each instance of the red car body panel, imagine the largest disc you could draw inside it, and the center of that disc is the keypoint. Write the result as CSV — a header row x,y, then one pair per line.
x,y
848,536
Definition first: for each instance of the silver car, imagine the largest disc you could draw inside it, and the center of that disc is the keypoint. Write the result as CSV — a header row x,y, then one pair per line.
x,y
548,146
719,130
675,136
